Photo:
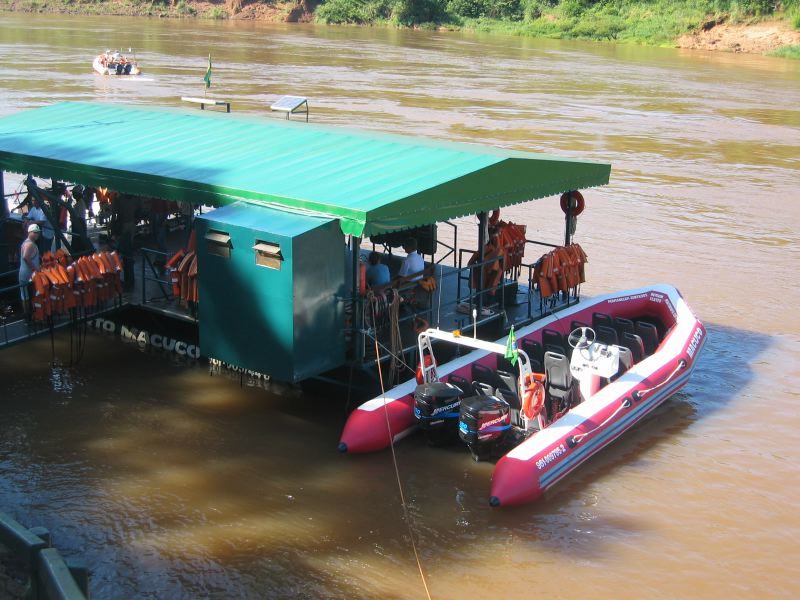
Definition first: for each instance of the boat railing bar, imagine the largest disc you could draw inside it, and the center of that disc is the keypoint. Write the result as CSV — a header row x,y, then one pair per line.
x,y
451,249
6,311
537,243
164,285
50,576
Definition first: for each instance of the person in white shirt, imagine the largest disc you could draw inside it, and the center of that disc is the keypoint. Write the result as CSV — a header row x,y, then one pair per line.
x,y
412,263
36,215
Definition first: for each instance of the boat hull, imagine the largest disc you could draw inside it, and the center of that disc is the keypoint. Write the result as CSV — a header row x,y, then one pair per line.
x,y
546,457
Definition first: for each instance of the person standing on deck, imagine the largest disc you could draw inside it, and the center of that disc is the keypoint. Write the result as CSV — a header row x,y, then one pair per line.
x,y
29,261
46,233
126,210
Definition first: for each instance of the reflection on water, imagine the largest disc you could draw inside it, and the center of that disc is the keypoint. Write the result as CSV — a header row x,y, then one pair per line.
x,y
171,481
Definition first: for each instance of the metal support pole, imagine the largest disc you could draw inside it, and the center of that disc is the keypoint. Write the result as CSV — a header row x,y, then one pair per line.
x,y
482,220
568,218
3,204
355,245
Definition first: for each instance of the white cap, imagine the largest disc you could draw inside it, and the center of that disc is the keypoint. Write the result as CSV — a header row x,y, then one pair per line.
x,y
34,227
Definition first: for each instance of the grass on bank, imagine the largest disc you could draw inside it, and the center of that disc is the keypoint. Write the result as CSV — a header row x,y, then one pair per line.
x,y
787,52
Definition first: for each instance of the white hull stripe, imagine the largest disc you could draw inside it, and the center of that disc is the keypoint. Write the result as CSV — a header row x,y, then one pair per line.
x,y
584,451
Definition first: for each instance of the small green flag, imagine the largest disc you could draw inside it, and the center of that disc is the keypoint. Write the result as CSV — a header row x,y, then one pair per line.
x,y
207,78
511,347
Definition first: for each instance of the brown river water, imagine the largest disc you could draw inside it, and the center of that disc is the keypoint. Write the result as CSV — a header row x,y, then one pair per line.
x,y
170,483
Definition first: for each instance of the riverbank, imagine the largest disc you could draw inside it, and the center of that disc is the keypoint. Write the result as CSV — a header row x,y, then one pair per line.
x,y
719,33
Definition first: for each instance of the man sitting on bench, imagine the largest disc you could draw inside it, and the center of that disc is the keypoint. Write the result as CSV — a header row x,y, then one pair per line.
x,y
413,265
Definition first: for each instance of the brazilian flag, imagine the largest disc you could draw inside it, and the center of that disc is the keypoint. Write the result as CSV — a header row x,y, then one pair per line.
x,y
511,347
207,78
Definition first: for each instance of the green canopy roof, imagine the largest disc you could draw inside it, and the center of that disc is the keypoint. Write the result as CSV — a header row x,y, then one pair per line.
x,y
373,183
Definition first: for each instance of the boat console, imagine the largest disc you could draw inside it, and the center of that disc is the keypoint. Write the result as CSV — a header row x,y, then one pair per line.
x,y
591,358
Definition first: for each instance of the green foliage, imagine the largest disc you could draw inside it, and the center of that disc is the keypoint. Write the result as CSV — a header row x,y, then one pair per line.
x,y
787,52
794,18
217,13
182,8
494,9
353,11
414,12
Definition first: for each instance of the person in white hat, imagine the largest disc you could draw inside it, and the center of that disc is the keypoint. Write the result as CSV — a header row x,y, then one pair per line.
x,y
29,261
46,234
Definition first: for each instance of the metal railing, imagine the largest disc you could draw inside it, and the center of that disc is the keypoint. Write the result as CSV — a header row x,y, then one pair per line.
x,y
153,270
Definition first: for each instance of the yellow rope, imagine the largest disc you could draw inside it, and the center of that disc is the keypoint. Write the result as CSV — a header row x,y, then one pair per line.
x,y
397,474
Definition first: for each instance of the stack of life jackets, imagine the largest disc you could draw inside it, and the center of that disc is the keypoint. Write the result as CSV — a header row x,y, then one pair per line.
x,y
62,284
182,268
560,269
511,241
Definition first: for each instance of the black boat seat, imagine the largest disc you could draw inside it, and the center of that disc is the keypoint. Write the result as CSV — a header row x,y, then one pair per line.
x,y
484,375
607,335
511,397
509,380
483,389
601,319
649,334
634,343
534,350
554,339
623,325
503,364
577,325
463,384
625,361
555,349
559,378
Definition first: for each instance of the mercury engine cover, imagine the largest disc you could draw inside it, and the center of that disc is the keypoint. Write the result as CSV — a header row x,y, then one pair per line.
x,y
436,407
483,423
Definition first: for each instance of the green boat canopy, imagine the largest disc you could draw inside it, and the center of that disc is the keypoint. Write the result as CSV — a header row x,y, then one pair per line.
x,y
373,183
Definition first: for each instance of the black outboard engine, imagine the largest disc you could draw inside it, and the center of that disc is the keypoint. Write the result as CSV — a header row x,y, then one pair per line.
x,y
483,424
436,407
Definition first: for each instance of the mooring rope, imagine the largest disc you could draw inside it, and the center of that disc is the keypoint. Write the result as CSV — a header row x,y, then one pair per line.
x,y
388,351
406,514
396,338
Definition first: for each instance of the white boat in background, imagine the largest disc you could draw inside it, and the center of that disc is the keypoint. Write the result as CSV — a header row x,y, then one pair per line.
x,y
112,62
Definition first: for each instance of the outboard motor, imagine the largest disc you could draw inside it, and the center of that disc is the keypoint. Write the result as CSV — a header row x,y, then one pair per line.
x,y
483,424
436,407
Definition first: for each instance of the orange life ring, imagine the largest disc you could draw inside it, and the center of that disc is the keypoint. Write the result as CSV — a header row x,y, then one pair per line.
x,y
428,362
533,397
580,204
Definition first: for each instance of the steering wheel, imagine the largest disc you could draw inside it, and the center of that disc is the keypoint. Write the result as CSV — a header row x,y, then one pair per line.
x,y
581,338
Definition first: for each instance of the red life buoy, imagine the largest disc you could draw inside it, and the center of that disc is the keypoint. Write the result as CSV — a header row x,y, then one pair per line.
x,y
577,207
428,363
533,396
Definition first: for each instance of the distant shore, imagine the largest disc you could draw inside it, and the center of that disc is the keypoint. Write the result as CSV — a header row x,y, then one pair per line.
x,y
775,36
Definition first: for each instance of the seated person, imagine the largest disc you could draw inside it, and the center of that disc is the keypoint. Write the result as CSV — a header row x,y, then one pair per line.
x,y
412,263
377,272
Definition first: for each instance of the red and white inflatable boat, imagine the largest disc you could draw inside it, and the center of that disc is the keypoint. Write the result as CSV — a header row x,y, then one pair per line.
x,y
605,364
